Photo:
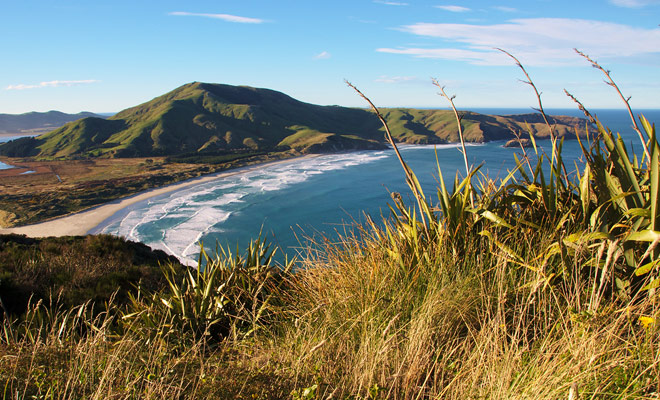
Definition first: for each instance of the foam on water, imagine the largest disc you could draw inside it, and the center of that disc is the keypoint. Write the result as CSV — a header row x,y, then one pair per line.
x,y
310,193
181,239
178,221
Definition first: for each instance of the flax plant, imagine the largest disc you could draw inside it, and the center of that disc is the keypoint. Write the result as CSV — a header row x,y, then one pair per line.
x,y
226,295
613,202
524,292
427,217
460,131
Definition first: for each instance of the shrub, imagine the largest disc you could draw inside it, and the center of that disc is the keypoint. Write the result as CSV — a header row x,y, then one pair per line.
x,y
225,295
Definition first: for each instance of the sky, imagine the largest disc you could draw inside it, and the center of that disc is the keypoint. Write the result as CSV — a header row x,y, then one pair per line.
x,y
105,56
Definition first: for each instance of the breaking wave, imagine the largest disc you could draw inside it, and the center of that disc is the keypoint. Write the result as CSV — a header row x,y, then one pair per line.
x,y
178,221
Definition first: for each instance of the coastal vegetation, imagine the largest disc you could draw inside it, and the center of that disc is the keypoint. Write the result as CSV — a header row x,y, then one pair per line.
x,y
69,271
539,285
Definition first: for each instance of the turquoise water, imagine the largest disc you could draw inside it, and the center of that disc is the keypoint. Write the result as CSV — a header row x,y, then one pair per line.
x,y
314,196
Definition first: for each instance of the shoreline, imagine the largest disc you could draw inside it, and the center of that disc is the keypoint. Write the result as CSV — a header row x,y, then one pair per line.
x,y
20,134
83,222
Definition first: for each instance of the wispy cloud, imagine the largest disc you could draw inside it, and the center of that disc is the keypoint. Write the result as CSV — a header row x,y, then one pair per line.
x,y
396,79
224,17
456,9
536,41
390,3
505,9
634,3
324,55
473,57
51,84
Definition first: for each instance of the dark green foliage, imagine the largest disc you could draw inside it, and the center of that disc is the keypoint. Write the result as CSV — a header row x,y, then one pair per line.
x,y
216,157
23,147
225,295
76,269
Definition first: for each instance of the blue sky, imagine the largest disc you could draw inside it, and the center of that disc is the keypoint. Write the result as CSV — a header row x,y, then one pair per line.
x,y
104,56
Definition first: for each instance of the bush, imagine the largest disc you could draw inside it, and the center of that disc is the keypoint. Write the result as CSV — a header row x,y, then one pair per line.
x,y
225,295
75,270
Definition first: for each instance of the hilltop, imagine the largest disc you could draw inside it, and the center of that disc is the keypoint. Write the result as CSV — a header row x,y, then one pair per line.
x,y
204,118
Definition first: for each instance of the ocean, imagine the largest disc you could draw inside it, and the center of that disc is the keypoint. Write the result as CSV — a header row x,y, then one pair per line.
x,y
316,198
292,202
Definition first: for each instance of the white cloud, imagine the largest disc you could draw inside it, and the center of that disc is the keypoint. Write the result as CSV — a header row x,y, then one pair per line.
x,y
535,41
390,3
324,55
473,57
396,79
457,9
634,3
51,84
224,17
505,9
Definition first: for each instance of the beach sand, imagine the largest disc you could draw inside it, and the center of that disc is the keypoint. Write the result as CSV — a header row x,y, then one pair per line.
x,y
83,222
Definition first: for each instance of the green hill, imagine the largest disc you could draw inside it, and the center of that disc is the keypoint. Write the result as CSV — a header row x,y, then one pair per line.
x,y
215,118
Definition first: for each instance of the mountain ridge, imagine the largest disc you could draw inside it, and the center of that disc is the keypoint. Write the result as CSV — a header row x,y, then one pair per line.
x,y
217,118
39,122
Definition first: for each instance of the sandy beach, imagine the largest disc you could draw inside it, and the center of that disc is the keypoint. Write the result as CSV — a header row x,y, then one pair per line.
x,y
83,222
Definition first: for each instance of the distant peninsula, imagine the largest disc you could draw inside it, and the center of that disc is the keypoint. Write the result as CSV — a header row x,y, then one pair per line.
x,y
35,123
215,119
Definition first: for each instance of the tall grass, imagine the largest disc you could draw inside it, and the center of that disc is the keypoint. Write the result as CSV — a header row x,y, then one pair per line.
x,y
188,340
478,327
76,355
540,285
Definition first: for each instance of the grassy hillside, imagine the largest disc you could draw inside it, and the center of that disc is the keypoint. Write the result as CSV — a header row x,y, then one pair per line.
x,y
203,117
70,271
